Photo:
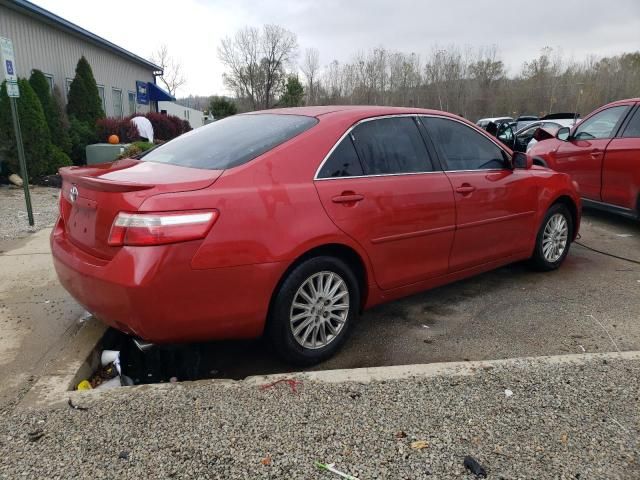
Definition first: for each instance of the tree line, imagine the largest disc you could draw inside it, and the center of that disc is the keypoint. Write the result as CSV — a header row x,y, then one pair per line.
x,y
472,82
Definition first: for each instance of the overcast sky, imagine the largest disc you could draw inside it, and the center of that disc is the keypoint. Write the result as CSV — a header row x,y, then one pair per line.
x,y
192,29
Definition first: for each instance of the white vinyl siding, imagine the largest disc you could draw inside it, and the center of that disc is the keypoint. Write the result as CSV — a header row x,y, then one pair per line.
x,y
40,45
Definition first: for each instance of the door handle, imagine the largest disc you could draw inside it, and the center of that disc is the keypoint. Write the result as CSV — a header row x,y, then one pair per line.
x,y
347,197
596,153
465,189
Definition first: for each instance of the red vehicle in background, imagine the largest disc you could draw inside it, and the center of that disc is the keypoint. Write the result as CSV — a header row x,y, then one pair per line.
x,y
602,154
293,221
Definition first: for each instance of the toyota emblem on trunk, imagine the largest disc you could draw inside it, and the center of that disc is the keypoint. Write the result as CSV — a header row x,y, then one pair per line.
x,y
73,193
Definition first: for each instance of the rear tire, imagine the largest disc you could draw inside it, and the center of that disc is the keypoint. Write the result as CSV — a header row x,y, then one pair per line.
x,y
313,310
553,239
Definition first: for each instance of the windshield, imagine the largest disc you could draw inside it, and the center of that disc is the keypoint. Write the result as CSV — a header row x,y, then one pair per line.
x,y
230,142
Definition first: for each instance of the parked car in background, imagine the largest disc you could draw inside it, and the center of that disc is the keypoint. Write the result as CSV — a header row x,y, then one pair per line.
x,y
525,138
292,221
524,120
601,153
483,122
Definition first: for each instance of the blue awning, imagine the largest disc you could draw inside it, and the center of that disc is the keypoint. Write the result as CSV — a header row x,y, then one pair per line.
x,y
157,94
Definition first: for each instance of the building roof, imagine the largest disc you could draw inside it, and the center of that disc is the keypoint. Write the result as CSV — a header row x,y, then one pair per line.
x,y
33,10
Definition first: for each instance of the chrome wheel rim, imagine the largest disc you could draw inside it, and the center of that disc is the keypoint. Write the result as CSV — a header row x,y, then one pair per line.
x,y
555,237
319,310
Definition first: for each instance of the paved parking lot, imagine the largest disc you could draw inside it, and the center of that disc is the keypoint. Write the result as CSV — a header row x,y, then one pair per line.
x,y
592,304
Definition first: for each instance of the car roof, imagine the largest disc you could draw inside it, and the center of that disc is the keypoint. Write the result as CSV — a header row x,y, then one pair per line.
x,y
491,119
626,100
355,112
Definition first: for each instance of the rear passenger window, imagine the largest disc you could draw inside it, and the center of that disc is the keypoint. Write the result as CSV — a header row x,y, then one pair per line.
x,y
343,161
462,147
391,145
633,128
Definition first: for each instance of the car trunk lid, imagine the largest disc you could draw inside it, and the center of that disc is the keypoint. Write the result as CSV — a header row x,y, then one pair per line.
x,y
92,196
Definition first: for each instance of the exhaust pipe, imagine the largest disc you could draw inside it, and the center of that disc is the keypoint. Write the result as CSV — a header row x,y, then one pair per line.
x,y
142,345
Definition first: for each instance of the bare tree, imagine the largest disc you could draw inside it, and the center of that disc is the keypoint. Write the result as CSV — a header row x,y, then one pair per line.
x,y
171,77
256,61
310,68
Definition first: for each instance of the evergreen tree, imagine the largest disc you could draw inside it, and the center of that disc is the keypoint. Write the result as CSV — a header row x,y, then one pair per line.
x,y
293,93
84,99
220,107
53,111
35,133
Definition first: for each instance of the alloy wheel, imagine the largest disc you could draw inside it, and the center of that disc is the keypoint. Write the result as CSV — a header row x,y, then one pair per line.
x,y
319,310
555,237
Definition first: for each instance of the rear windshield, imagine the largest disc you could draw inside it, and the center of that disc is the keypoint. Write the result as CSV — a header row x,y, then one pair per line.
x,y
230,142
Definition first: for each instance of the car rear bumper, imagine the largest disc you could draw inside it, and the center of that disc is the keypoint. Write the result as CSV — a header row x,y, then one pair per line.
x,y
153,293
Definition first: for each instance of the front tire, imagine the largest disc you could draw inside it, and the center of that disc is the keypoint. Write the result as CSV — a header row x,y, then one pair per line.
x,y
313,310
553,239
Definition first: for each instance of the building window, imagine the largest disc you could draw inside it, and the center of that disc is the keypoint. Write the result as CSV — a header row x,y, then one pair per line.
x,y
68,85
101,93
50,81
132,103
49,78
116,95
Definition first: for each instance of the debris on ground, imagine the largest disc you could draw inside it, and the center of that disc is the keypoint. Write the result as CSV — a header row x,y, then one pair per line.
x,y
123,455
507,392
266,460
474,467
35,435
293,384
84,385
109,375
400,434
330,467
84,317
419,444
77,407
15,179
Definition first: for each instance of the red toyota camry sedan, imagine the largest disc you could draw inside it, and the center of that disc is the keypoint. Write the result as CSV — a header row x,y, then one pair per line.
x,y
291,222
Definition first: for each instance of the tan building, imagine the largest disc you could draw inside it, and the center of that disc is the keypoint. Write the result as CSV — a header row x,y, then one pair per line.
x,y
47,42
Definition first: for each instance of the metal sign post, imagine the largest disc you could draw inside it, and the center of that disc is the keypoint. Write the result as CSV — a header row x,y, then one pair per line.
x,y
9,74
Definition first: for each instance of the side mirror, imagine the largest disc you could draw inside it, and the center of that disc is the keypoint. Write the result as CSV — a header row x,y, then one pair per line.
x,y
563,134
521,160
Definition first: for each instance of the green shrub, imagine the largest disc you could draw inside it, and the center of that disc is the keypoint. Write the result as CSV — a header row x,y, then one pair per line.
x,y
35,133
84,99
57,159
136,148
81,134
53,111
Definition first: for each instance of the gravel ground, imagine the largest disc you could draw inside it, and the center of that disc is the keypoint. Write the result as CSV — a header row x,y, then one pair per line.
x,y
578,421
14,222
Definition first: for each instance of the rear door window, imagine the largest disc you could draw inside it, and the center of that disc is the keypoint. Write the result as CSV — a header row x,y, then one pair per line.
x,y
633,127
391,146
230,142
343,161
462,147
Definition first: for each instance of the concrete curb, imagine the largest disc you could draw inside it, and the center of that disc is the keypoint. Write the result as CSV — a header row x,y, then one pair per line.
x,y
77,360
56,389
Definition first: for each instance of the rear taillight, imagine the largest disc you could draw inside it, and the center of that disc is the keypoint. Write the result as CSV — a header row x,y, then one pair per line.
x,y
160,228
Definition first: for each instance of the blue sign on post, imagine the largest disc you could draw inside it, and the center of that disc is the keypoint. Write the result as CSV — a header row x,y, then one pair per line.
x,y
10,67
142,93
